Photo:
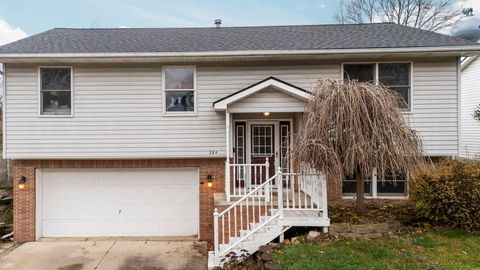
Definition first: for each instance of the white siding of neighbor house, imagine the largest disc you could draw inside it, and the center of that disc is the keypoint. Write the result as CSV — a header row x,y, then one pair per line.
x,y
268,100
118,110
470,133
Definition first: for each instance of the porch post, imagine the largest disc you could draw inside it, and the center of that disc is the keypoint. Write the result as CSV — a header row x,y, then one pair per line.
x,y
267,176
280,191
374,183
323,180
227,162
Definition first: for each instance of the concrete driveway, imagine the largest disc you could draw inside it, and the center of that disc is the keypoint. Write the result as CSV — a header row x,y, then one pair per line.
x,y
107,255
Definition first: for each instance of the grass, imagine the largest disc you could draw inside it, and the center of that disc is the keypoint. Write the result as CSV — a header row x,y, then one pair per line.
x,y
432,250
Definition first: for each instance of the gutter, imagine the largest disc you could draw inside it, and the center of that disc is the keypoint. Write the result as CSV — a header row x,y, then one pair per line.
x,y
471,48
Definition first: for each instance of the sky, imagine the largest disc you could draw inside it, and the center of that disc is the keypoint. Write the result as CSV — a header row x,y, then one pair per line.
x,y
31,17
21,18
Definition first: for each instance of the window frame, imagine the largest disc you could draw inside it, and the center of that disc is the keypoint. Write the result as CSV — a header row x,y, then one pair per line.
x,y
265,146
39,81
409,107
374,194
164,92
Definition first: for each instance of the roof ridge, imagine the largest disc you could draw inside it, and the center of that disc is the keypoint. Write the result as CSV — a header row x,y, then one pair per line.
x,y
223,27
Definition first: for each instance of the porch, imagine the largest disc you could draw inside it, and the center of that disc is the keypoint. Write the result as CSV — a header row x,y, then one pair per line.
x,y
264,196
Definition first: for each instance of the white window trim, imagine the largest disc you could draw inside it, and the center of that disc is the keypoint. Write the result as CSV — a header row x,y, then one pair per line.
x,y
40,94
195,106
272,142
374,193
375,77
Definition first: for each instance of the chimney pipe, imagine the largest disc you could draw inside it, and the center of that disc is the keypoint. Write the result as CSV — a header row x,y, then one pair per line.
x,y
218,22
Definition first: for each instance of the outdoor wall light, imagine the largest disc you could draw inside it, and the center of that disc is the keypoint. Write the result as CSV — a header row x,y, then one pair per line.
x,y
21,182
266,113
209,181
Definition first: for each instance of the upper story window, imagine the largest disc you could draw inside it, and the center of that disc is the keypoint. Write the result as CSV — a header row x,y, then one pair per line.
x,y
56,91
395,76
179,89
359,72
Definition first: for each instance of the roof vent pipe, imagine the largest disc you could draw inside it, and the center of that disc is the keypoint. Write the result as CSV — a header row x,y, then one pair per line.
x,y
218,22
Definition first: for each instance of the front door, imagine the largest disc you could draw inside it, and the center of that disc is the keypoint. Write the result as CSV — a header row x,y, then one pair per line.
x,y
262,146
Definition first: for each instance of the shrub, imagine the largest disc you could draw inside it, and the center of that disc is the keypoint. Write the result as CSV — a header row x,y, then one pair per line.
x,y
449,194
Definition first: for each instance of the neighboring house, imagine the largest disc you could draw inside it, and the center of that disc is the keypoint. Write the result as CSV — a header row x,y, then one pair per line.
x,y
470,100
143,132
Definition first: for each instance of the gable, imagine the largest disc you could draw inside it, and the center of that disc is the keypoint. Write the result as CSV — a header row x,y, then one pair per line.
x,y
270,82
268,100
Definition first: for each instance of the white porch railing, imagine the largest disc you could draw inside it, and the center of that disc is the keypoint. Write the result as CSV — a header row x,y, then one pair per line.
x,y
304,192
243,178
236,220
280,197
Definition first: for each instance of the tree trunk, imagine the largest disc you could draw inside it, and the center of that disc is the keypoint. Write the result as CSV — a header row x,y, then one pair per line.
x,y
360,207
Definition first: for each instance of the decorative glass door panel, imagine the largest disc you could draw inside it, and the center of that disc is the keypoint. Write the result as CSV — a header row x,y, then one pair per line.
x,y
262,147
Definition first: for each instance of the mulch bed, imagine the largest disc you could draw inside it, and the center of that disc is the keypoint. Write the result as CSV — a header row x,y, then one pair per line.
x,y
376,211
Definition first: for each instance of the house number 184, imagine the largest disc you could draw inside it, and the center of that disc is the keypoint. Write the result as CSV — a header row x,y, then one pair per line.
x,y
213,152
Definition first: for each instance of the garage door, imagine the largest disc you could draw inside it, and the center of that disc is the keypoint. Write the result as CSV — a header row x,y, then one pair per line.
x,y
74,203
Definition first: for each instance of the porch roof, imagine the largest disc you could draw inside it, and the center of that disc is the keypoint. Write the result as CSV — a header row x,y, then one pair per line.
x,y
268,83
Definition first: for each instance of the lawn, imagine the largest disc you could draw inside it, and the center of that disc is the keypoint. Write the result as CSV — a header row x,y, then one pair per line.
x,y
432,250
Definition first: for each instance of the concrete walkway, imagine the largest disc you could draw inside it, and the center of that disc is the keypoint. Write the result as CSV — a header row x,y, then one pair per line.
x,y
107,255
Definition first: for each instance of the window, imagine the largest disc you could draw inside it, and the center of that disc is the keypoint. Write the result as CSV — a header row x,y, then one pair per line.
x,y
359,72
284,146
240,150
55,91
262,140
393,185
179,86
349,187
395,76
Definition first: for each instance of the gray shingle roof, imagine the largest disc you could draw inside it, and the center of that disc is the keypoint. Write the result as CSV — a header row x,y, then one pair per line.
x,y
299,37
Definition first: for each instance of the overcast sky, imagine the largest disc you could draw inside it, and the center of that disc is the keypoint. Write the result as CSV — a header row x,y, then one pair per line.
x,y
23,18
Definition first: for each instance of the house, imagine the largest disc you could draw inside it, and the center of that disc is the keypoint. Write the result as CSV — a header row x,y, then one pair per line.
x,y
470,101
184,131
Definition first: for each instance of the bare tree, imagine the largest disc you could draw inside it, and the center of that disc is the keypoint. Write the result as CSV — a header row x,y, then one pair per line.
x,y
350,128
431,15
476,113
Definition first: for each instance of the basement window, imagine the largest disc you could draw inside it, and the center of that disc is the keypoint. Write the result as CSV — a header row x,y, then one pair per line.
x,y
179,89
55,91
393,185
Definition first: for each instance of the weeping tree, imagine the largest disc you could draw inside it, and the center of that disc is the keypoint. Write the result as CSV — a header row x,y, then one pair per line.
x,y
476,113
350,128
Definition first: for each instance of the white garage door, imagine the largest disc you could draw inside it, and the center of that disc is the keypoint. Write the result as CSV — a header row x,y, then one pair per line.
x,y
117,202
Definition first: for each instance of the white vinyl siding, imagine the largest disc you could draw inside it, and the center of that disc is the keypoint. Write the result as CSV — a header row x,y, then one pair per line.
x,y
268,100
470,134
435,105
119,110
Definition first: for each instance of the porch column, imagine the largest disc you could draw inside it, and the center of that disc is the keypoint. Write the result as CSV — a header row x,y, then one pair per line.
x,y
227,162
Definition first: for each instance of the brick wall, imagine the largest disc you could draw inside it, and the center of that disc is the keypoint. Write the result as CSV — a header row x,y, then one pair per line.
x,y
24,200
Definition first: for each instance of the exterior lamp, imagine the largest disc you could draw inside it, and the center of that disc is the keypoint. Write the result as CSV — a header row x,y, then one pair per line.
x,y
21,182
266,114
209,181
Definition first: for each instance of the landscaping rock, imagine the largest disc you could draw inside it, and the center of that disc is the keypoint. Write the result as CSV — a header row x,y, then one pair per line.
x,y
266,257
313,235
265,249
271,266
286,242
364,230
296,240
